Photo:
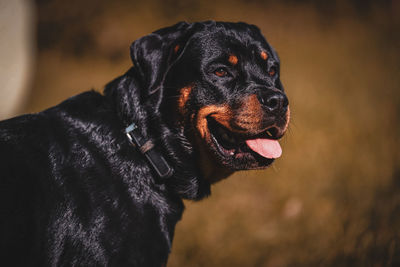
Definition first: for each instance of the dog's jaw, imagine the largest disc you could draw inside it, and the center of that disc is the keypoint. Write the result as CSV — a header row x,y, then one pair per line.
x,y
230,141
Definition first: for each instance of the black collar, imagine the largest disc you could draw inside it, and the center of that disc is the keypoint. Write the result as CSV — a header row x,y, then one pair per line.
x,y
146,147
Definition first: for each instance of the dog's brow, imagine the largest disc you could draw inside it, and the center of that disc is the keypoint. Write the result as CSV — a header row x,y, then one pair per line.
x,y
264,55
233,59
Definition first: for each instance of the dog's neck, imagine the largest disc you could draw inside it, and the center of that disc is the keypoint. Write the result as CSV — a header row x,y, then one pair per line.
x,y
133,106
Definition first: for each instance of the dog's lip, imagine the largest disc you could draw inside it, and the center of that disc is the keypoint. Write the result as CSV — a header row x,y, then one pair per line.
x,y
233,144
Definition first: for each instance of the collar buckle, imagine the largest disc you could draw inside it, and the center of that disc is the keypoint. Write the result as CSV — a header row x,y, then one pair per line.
x,y
147,148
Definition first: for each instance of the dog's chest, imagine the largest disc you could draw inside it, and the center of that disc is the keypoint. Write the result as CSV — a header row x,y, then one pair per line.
x,y
139,233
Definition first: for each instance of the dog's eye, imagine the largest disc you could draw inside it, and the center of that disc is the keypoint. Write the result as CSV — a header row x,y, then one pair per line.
x,y
221,72
272,71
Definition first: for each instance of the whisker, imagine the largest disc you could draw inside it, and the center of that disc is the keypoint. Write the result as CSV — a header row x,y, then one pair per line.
x,y
276,170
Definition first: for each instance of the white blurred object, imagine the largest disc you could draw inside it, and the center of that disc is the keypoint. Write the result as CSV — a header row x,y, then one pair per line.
x,y
17,32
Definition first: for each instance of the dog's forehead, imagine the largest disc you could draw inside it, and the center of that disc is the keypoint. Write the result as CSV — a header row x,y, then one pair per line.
x,y
241,42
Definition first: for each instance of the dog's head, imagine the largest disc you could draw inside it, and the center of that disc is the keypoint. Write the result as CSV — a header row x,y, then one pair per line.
x,y
219,83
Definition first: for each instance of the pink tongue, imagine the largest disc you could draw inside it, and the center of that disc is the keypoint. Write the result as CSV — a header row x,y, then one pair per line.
x,y
265,147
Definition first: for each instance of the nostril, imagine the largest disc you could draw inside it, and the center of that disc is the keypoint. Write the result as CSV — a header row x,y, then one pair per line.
x,y
272,102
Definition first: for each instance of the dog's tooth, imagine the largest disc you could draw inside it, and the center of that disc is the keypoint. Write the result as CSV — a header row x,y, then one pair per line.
x,y
232,153
269,133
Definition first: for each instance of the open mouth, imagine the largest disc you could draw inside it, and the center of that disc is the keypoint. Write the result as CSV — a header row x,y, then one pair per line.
x,y
230,144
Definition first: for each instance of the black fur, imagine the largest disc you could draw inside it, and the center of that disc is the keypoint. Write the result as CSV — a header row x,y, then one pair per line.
x,y
74,192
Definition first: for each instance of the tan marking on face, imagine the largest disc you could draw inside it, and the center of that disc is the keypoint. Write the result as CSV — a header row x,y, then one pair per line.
x,y
183,98
250,115
264,55
176,48
219,113
210,169
233,59
247,120
224,118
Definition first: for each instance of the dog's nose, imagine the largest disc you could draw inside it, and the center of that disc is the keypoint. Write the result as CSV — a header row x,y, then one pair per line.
x,y
274,101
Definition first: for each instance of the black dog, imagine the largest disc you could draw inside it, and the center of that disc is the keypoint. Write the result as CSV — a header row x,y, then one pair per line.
x,y
99,179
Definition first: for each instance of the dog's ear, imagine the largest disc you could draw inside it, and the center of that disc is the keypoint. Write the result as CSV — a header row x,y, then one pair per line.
x,y
152,55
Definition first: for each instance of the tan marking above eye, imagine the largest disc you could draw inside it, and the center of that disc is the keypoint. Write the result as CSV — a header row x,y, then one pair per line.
x,y
264,55
233,59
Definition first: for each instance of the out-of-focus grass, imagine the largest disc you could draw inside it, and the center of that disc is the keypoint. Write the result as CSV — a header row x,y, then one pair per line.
x,y
333,199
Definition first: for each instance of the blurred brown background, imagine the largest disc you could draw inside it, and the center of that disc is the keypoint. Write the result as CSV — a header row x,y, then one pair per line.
x,y
333,199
